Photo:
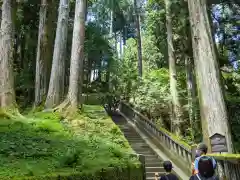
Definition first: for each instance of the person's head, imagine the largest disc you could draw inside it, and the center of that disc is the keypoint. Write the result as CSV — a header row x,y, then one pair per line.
x,y
167,165
201,149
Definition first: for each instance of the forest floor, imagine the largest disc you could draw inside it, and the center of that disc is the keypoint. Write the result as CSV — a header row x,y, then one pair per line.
x,y
43,143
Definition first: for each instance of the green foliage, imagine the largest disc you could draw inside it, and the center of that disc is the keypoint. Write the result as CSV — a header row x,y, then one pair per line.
x,y
152,56
153,94
44,143
126,73
234,117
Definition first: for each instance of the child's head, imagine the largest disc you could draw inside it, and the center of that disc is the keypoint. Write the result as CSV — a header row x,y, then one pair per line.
x,y
167,165
202,149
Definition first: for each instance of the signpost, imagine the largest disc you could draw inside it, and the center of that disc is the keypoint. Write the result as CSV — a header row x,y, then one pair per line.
x,y
218,143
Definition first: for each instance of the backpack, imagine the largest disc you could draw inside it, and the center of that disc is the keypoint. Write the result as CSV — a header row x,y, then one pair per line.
x,y
198,177
205,167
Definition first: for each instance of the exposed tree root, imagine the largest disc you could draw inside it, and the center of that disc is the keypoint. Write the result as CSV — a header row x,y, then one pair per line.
x,y
67,109
10,113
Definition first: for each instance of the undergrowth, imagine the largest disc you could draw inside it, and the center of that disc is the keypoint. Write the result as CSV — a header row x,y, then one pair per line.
x,y
45,143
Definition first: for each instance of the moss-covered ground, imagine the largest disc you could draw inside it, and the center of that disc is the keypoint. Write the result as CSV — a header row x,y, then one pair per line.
x,y
44,143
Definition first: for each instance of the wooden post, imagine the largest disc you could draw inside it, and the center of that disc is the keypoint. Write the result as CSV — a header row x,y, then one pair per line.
x,y
142,160
193,149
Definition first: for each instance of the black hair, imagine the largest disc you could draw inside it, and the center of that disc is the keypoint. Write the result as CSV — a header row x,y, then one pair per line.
x,y
203,148
167,165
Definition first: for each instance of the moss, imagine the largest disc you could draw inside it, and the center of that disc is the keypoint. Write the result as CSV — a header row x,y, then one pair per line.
x,y
45,143
225,156
10,112
93,98
177,139
107,174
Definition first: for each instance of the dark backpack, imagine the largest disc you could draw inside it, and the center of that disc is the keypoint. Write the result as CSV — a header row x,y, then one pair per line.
x,y
199,177
205,167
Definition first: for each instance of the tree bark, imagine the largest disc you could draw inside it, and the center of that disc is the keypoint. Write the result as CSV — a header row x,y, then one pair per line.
x,y
191,93
177,117
139,41
56,85
212,105
51,30
7,92
111,24
41,61
120,44
190,79
77,56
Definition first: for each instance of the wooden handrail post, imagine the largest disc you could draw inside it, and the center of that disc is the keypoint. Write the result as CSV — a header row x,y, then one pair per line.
x,y
142,160
193,150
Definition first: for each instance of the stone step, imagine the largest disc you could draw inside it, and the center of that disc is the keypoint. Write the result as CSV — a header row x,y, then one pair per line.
x,y
132,135
128,131
151,159
153,163
141,149
154,169
146,153
133,138
150,178
151,175
135,141
140,145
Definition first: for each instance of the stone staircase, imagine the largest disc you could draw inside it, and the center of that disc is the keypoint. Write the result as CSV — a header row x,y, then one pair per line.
x,y
152,162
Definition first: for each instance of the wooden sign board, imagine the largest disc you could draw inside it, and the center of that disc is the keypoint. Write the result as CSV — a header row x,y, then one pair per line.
x,y
218,143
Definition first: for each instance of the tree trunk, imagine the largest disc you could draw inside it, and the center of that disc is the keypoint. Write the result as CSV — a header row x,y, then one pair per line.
x,y
89,70
115,38
190,80
51,30
177,117
120,44
77,56
7,92
111,24
99,68
56,85
139,42
191,93
41,61
212,105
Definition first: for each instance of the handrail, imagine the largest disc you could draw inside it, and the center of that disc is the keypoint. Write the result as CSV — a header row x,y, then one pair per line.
x,y
228,165
146,119
183,153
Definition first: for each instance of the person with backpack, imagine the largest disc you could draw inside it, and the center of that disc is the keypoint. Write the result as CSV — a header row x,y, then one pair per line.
x,y
192,165
167,165
206,170
202,151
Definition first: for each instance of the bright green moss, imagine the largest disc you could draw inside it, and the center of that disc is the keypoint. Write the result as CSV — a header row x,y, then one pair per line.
x,y
175,138
44,143
225,156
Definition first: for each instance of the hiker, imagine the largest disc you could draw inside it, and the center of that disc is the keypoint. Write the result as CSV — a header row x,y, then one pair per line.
x,y
193,169
202,151
167,165
206,170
